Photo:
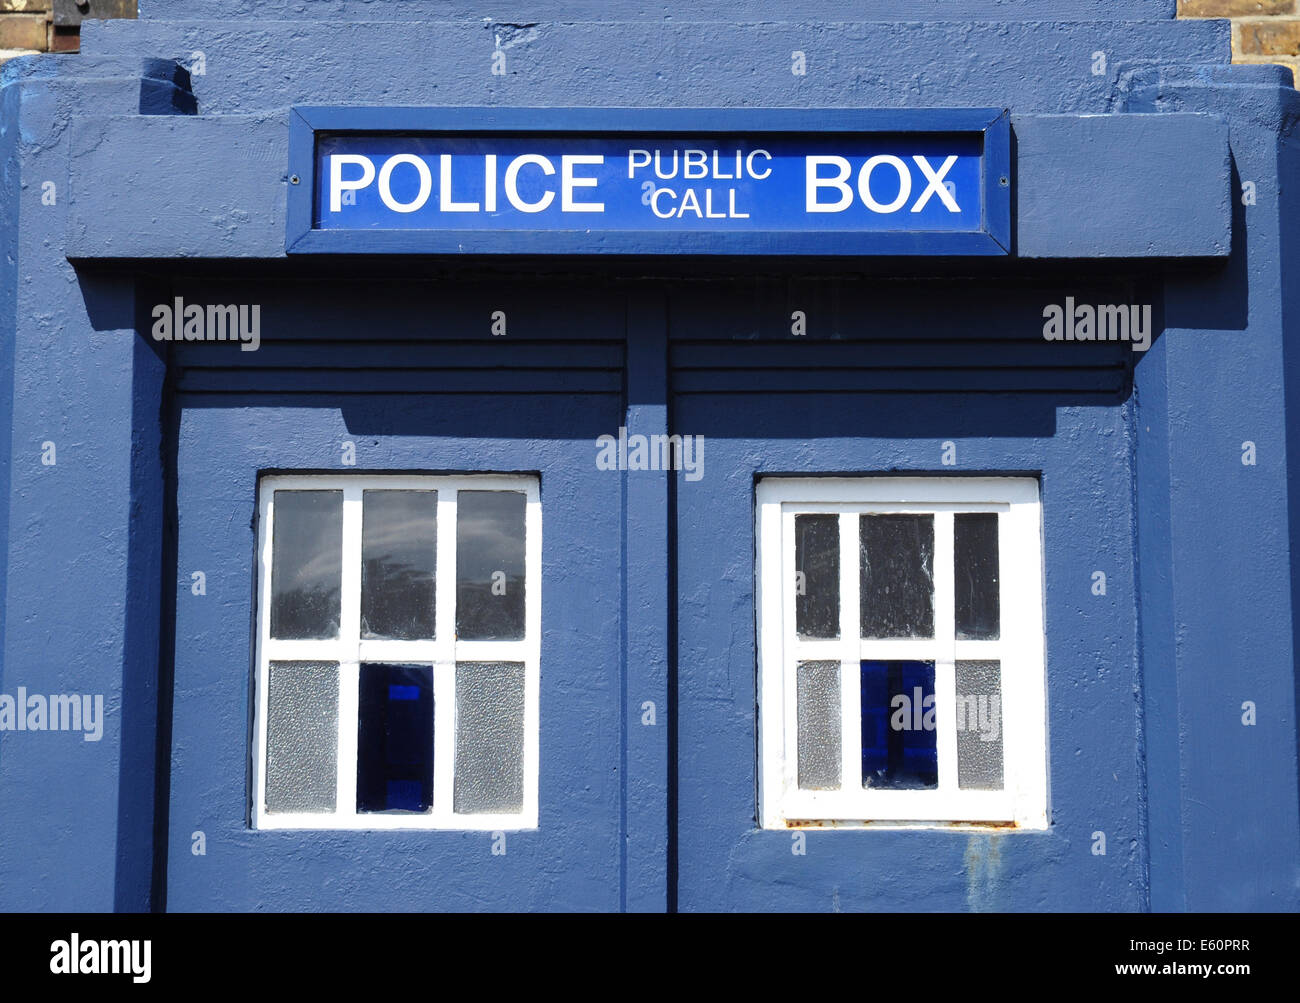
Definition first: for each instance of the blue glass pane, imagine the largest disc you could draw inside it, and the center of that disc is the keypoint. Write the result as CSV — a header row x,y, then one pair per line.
x,y
395,738
898,736
406,795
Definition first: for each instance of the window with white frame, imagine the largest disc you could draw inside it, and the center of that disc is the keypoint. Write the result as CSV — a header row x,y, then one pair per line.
x,y
398,645
901,676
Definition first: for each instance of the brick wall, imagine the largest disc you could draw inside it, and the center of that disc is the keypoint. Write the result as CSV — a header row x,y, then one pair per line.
x,y
51,25
1263,31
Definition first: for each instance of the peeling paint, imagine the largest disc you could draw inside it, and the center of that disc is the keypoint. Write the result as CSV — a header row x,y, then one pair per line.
x,y
507,36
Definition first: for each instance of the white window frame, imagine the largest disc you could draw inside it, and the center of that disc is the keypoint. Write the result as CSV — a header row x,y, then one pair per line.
x,y
350,650
1022,803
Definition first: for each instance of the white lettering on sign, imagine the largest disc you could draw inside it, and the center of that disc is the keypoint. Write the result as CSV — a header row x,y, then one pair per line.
x,y
568,182
816,183
512,182
904,184
338,186
689,205
936,185
696,165
386,182
445,202
884,183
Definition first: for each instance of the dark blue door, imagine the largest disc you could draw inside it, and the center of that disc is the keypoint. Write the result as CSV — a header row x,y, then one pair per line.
x,y
403,473
864,383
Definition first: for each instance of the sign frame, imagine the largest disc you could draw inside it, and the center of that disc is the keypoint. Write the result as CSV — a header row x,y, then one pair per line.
x,y
307,122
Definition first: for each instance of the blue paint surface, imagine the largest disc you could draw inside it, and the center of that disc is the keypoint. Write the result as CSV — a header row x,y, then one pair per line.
x,y
1035,66
1223,827
1076,195
1074,440
648,580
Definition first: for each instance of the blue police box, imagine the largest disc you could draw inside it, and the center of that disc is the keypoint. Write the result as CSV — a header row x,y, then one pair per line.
x,y
640,464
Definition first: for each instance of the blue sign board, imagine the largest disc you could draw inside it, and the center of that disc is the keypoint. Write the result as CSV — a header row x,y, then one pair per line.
x,y
494,181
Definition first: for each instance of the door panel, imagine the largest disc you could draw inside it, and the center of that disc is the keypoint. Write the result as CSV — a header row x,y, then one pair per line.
x,y
236,420
780,406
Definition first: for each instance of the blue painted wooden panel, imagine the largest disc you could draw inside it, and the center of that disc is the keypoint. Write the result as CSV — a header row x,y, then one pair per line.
x,y
900,335
236,429
408,338
1076,441
1085,186
1219,564
868,60
1079,176
75,829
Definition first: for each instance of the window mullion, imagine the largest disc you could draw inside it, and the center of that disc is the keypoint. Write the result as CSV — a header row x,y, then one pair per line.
x,y
532,661
945,670
788,672
776,604
850,666
263,660
349,674
444,669
1024,725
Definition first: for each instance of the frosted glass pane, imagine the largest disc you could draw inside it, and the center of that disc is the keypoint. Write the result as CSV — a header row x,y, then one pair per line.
x,y
897,554
975,574
395,738
818,686
306,564
302,712
817,575
979,725
489,737
399,535
490,565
